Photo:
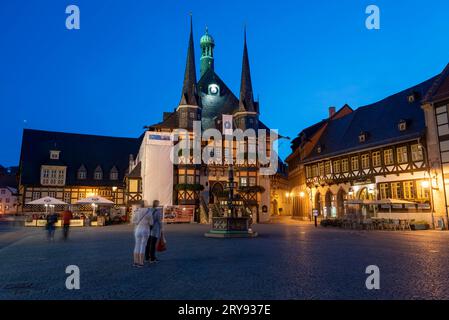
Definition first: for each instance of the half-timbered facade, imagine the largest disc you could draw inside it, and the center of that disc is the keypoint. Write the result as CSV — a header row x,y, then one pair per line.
x,y
70,167
374,156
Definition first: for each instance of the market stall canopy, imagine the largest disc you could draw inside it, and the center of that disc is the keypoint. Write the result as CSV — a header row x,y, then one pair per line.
x,y
390,201
48,201
95,200
377,202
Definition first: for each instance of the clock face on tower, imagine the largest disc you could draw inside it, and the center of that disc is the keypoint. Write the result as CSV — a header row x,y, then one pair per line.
x,y
214,89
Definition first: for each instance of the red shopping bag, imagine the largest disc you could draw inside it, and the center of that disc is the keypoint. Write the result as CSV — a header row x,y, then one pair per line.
x,y
161,244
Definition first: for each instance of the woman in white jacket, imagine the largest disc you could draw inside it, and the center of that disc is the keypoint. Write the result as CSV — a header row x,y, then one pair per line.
x,y
142,220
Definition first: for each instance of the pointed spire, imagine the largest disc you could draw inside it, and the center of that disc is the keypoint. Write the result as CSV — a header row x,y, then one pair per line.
x,y
189,96
246,101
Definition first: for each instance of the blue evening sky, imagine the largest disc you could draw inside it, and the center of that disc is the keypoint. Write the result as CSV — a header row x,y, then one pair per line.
x,y
125,66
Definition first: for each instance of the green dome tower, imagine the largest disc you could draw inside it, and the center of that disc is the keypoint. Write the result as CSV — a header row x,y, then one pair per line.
x,y
207,45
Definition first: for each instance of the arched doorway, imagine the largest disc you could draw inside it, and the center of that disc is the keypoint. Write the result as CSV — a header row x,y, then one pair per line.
x,y
341,197
217,191
318,203
364,194
367,209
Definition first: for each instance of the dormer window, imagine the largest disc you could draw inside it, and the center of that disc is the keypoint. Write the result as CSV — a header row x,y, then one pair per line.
x,y
98,173
362,137
82,173
412,97
319,149
402,125
54,154
113,175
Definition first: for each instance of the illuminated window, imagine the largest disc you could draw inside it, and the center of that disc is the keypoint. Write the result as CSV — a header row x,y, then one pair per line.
x,y
308,172
67,197
337,167
422,190
355,163
327,167
321,168
417,154
365,161
409,189
383,187
344,165
252,181
401,153
388,157
314,170
243,181
396,190
376,159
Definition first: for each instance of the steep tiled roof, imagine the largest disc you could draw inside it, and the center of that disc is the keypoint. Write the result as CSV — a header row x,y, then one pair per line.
x,y
76,150
440,88
379,121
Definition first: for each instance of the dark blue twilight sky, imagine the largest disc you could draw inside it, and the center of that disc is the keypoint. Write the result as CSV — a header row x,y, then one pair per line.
x,y
125,66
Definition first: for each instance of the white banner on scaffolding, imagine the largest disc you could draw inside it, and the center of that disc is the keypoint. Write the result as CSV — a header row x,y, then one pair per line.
x,y
157,168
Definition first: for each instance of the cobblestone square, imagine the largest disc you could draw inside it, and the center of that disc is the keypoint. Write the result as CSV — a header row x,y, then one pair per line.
x,y
289,260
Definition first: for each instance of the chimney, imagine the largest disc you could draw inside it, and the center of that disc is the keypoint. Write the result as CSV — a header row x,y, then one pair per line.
x,y
131,163
331,112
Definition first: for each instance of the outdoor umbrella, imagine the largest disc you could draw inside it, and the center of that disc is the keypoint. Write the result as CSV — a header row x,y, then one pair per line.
x,y
47,201
95,201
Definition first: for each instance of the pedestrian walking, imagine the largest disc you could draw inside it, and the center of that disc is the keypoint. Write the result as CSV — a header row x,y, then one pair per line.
x,y
52,218
142,220
155,233
67,216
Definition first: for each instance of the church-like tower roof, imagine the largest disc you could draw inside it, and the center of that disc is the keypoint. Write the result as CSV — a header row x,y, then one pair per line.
x,y
246,101
189,94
